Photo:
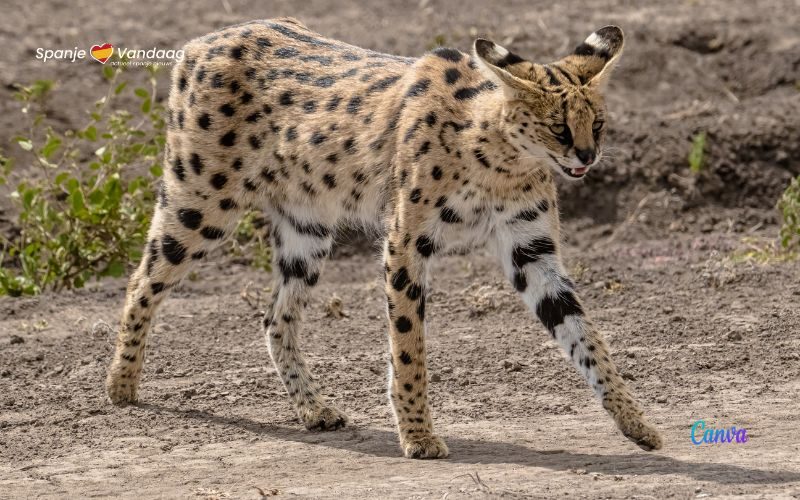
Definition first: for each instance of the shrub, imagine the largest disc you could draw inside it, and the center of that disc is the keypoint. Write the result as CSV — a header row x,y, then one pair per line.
x,y
85,196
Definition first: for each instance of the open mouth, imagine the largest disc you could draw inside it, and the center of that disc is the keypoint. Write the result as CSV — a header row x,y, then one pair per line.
x,y
575,173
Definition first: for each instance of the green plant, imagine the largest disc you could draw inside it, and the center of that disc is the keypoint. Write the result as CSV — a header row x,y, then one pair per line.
x,y
697,153
82,212
86,196
789,206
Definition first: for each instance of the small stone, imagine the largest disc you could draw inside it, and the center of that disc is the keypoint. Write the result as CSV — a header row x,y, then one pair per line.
x,y
628,376
16,339
630,354
160,369
188,393
447,369
436,377
5,373
661,399
735,336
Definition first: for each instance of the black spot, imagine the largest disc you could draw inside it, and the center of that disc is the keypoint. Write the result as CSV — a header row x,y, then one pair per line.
x,y
451,75
441,201
332,158
255,142
448,54
249,185
436,173
227,110
310,106
425,246
294,268
217,81
528,215
383,84
238,52
350,145
418,88
246,98
403,324
212,233
414,291
237,164
219,180
354,105
253,117
234,87
416,194
423,149
450,216
472,92
552,310
408,387
200,75
268,175
291,133
172,249
400,279
204,121
333,103
228,140
196,163
543,205
531,251
317,138
481,158
227,204
286,52
286,98
421,309
329,180
430,119
177,168
144,303
156,287
325,81
190,218
405,358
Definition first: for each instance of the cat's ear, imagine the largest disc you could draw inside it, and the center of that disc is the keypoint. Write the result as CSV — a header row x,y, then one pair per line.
x,y
595,58
504,67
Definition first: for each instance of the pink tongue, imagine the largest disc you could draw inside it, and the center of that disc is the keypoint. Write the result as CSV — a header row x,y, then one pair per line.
x,y
579,171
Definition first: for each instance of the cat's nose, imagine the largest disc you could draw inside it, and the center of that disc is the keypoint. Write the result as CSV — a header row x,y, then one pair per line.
x,y
586,156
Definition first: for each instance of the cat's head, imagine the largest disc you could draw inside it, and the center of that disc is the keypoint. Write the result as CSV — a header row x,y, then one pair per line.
x,y
556,112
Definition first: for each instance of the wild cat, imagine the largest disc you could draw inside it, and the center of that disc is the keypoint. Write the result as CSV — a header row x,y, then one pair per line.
x,y
446,151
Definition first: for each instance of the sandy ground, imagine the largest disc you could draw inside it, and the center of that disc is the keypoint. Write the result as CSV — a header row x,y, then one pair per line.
x,y
698,334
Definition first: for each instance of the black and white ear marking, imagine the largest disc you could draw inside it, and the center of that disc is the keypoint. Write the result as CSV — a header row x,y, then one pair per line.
x,y
605,43
495,54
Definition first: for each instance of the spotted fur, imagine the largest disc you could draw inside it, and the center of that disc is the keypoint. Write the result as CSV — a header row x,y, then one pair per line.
x,y
446,151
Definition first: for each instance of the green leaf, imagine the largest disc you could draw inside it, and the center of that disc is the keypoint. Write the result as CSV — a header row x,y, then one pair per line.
x,y
143,93
108,72
50,147
156,170
146,106
91,133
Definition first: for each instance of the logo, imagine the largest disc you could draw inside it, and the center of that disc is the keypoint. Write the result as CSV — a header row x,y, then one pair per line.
x,y
701,435
102,53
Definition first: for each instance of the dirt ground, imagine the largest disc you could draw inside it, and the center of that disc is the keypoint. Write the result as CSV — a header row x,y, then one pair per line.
x,y
699,332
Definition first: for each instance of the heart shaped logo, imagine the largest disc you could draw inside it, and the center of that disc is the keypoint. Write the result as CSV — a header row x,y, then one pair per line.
x,y
102,53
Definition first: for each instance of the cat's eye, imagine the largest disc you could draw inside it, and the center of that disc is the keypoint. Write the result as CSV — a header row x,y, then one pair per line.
x,y
558,129
597,125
